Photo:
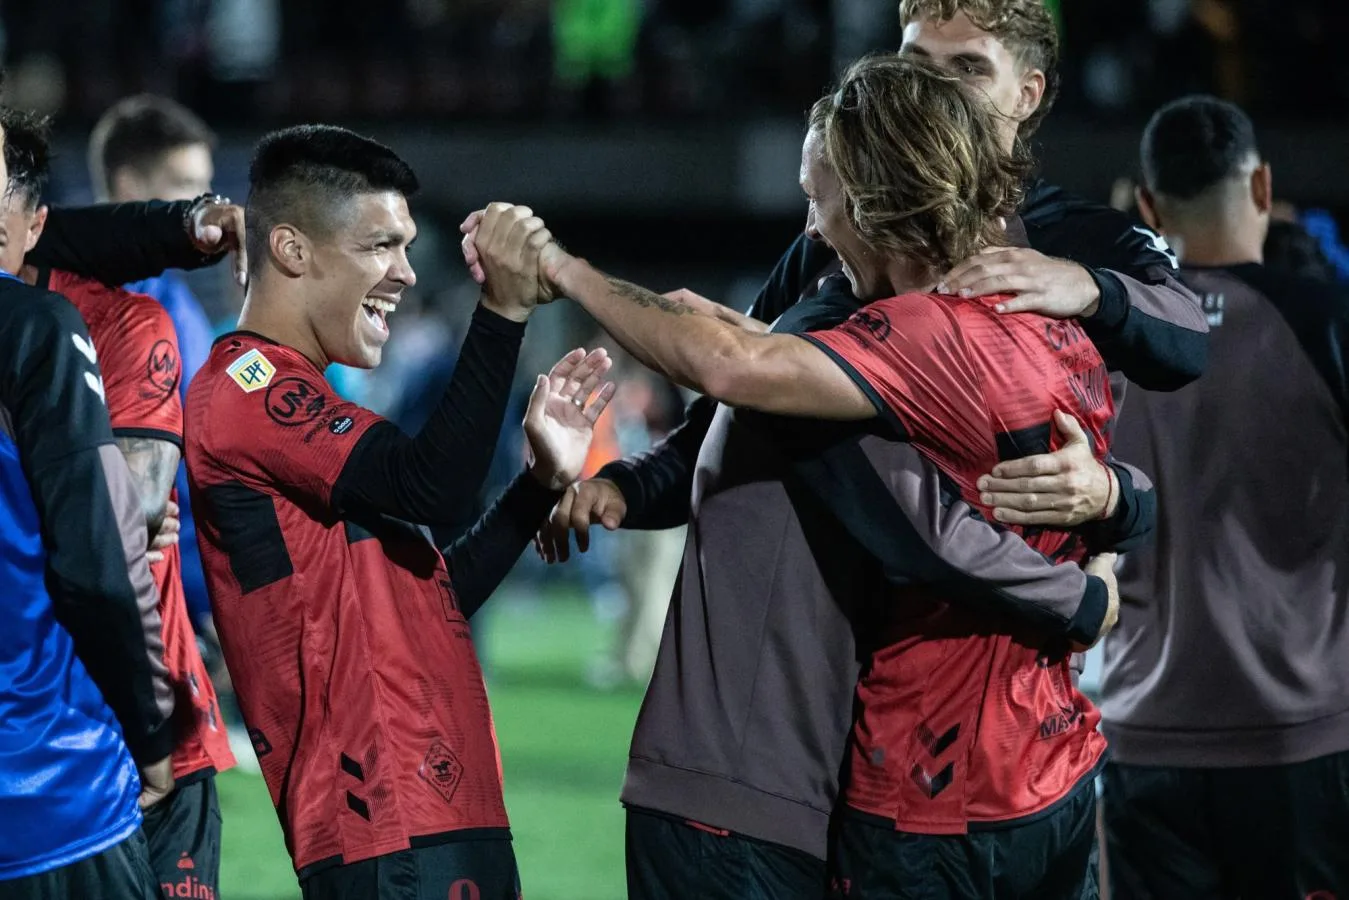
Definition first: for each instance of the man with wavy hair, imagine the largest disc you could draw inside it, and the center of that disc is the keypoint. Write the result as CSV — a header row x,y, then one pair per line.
x,y
971,745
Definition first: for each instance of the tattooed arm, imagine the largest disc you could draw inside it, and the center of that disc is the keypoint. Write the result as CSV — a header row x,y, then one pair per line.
x,y
776,373
153,464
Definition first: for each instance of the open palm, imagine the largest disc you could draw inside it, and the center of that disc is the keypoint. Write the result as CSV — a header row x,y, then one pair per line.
x,y
560,420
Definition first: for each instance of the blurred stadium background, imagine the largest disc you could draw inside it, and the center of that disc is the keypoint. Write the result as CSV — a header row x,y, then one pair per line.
x,y
659,138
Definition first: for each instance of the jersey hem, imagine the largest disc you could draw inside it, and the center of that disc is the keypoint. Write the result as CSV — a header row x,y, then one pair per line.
x,y
1226,748
720,801
154,434
1082,783
70,855
416,842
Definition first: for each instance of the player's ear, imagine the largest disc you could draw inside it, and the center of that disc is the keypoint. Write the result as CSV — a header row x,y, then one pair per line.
x,y
1262,188
35,228
1147,209
1032,92
290,249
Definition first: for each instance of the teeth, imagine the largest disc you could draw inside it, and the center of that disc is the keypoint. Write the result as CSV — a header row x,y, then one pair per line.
x,y
383,306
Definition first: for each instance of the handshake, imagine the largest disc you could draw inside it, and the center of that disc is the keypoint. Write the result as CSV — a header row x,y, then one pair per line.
x,y
512,254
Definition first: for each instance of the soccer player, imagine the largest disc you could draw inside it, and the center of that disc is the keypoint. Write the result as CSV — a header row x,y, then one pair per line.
x,y
83,689
980,700
345,629
1224,693
141,370
153,148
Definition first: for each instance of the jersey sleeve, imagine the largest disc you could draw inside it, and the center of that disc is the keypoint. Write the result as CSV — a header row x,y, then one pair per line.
x,y
282,425
142,366
908,356
121,242
93,529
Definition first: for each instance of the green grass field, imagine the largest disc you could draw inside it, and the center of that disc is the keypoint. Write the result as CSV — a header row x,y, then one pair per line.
x,y
563,745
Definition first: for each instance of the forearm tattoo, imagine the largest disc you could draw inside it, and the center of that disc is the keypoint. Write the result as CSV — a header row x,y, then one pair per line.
x,y
153,464
642,297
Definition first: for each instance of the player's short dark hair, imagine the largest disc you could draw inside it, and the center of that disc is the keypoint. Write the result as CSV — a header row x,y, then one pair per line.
x,y
1192,144
1290,248
27,154
137,132
304,175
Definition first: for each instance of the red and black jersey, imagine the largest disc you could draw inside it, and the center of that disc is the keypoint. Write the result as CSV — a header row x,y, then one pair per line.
x,y
138,353
967,716
352,659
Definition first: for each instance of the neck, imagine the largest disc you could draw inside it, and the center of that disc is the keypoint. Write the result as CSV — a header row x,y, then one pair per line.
x,y
909,278
278,317
1219,243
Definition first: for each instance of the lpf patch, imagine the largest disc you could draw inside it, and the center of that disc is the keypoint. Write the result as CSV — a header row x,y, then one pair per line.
x,y
252,371
442,770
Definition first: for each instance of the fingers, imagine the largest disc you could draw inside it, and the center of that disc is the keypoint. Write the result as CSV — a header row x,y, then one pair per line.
x,y
154,557
585,375
473,220
567,364
557,536
969,271
581,518
171,509
1039,517
492,217
994,489
236,225
597,407
537,408
514,228
598,364
469,247
1029,466
1070,428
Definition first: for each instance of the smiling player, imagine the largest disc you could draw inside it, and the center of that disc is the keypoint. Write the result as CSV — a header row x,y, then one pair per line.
x,y
345,629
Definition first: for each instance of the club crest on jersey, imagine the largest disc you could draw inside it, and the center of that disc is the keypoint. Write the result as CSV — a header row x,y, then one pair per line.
x,y
252,371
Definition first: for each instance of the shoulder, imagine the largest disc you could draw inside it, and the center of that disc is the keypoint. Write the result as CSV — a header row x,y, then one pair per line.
x,y
1061,223
27,312
1309,296
908,321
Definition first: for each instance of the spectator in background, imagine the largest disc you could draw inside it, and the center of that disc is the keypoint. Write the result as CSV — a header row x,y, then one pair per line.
x,y
152,148
1290,248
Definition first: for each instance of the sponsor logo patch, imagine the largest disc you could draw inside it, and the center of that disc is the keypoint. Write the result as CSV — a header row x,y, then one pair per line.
x,y
252,371
293,401
442,770
161,371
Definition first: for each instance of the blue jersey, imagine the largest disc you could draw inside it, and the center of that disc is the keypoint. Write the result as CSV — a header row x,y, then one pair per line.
x,y
82,692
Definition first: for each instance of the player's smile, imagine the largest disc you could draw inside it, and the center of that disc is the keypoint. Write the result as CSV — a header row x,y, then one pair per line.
x,y
377,309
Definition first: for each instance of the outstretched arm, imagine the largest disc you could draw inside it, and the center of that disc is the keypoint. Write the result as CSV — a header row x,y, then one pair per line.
x,y
774,373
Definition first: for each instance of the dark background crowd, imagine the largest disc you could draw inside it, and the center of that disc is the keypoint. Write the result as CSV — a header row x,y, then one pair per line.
x,y
248,62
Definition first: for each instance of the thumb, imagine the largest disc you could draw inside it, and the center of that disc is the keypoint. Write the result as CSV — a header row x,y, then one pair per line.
x,y
1070,428
211,234
538,400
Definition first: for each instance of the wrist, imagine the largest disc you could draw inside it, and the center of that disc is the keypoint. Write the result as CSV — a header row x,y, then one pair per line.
x,y
1093,292
549,478
1112,491
511,311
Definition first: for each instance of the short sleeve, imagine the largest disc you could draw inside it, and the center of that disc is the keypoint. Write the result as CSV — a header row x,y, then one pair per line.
x,y
277,423
142,374
908,355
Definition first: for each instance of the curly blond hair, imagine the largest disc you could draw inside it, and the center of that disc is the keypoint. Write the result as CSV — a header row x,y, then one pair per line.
x,y
923,171
1026,27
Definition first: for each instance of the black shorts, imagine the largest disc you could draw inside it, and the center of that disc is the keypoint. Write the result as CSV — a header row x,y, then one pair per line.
x,y
1272,832
183,831
456,870
670,859
121,872
1050,857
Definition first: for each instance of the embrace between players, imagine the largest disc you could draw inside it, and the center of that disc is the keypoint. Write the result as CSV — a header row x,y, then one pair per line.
x,y
861,664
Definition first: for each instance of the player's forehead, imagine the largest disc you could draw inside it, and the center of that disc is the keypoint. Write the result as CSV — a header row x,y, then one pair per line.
x,y
815,173
380,213
944,42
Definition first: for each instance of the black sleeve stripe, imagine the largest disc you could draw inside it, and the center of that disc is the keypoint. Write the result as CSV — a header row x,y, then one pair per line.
x,y
153,434
882,408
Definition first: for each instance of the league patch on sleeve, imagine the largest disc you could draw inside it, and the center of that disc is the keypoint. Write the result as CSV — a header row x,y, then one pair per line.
x,y
252,371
